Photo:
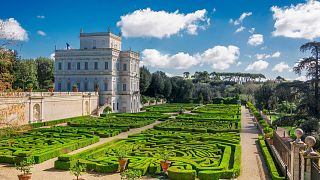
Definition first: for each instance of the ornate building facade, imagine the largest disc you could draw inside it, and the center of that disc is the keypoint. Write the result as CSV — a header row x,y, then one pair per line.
x,y
100,65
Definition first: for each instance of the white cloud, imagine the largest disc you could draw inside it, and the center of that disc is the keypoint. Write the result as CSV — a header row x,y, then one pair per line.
x,y
252,30
52,56
160,24
255,39
240,29
218,57
241,18
41,17
301,78
300,21
221,57
154,58
266,56
239,63
257,66
41,33
282,66
10,29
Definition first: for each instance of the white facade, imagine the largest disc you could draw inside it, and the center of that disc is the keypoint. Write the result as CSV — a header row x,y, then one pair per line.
x,y
101,65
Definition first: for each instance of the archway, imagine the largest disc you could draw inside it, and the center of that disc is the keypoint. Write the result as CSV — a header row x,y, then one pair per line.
x,y
36,113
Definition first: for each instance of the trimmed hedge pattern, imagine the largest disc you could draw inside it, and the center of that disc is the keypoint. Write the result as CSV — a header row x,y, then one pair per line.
x,y
197,151
269,160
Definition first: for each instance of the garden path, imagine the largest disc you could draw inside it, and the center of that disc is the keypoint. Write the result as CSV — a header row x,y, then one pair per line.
x,y
252,164
46,171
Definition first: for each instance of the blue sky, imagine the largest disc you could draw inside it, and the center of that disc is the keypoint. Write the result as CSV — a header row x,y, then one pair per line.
x,y
213,45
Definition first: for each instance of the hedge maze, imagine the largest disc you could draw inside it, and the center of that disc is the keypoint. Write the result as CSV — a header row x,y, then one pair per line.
x,y
47,143
42,144
203,148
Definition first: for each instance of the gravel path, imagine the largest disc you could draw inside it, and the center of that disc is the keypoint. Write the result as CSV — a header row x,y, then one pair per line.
x,y
45,170
252,165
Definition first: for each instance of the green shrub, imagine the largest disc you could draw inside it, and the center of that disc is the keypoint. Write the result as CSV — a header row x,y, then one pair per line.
x,y
175,173
269,160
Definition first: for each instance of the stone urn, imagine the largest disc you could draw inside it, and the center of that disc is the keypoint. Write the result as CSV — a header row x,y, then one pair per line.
x,y
24,176
299,133
310,141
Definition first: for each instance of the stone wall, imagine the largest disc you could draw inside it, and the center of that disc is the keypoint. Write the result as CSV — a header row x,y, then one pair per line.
x,y
23,108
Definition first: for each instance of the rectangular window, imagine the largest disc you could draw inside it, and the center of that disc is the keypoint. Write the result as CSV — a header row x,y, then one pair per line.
x,y
69,65
118,86
69,86
106,86
60,66
124,87
85,86
106,65
113,106
78,65
86,65
94,44
124,67
79,86
59,86
118,66
95,65
117,106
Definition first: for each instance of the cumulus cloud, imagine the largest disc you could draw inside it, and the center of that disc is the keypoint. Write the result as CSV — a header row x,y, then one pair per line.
x,y
241,18
218,57
282,66
240,29
41,33
154,58
255,39
239,63
300,21
41,17
160,24
221,57
52,56
10,29
266,56
257,66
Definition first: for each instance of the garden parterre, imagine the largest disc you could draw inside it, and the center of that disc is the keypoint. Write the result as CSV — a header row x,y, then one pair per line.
x,y
167,108
202,154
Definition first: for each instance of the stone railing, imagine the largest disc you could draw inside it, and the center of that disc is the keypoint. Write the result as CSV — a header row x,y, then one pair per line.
x,y
43,94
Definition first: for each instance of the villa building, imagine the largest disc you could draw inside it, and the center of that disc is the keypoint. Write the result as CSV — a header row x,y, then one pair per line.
x,y
100,65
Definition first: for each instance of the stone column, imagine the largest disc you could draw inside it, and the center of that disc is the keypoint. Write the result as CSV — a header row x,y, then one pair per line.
x,y
296,147
309,155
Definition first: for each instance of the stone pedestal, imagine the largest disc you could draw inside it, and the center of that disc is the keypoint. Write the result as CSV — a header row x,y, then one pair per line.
x,y
296,148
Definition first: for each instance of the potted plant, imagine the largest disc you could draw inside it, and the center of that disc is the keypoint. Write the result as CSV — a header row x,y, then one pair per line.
x,y
30,87
121,154
74,88
78,169
165,163
50,88
25,167
131,174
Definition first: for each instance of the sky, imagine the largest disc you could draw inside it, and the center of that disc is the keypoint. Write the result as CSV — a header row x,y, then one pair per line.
x,y
261,36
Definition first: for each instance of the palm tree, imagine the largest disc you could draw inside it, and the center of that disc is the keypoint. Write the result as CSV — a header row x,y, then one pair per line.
x,y
311,65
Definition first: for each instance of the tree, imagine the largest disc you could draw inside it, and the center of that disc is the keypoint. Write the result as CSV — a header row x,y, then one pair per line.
x,y
263,94
45,70
186,74
167,88
311,65
145,79
7,62
25,72
182,89
156,88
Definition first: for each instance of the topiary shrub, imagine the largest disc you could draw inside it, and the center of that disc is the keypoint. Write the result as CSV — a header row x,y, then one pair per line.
x,y
175,173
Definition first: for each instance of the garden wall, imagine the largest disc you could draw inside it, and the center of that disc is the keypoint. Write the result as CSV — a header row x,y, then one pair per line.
x,y
22,108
